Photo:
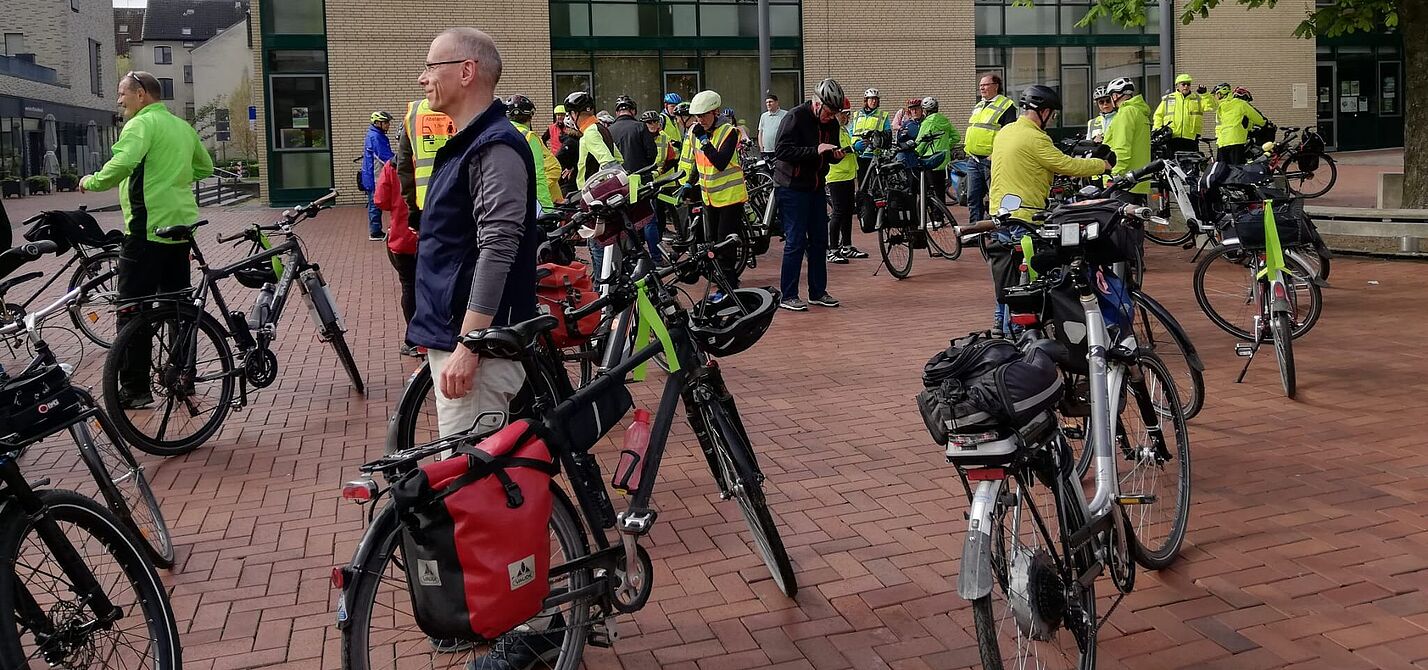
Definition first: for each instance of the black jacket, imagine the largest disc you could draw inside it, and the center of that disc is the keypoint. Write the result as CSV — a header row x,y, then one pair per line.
x,y
635,142
799,166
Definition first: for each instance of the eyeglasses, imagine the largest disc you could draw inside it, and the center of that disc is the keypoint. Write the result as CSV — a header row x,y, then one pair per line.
x,y
430,66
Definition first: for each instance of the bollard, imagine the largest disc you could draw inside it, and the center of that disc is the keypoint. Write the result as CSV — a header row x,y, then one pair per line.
x,y
1408,244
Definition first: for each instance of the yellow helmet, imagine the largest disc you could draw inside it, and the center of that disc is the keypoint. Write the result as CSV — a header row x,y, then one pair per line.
x,y
704,102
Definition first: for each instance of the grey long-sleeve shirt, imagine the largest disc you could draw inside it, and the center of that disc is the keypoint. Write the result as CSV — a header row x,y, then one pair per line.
x,y
500,188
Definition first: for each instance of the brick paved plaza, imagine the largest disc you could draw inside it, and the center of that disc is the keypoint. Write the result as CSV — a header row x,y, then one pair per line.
x,y
1308,540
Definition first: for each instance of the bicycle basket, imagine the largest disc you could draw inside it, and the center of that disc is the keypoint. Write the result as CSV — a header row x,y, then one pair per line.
x,y
37,405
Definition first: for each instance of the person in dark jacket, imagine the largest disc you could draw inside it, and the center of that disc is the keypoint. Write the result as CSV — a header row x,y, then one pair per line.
x,y
376,151
807,144
637,148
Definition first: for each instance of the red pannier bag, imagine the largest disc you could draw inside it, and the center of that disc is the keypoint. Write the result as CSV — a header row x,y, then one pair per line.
x,y
475,535
566,287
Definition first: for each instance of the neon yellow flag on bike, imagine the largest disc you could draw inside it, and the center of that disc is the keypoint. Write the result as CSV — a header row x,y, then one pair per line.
x,y
1026,253
1273,253
649,321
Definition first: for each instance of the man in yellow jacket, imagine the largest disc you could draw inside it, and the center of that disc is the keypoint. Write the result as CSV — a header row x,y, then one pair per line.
x,y
1129,132
1184,112
1234,120
1024,163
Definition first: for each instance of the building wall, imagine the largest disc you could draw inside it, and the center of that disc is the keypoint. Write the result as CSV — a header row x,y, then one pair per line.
x,y
912,49
1257,49
141,56
219,65
41,22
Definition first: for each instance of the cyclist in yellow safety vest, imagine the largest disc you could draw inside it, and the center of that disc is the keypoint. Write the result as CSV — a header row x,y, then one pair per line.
x,y
1184,112
840,180
520,109
710,159
1096,128
423,132
672,125
992,113
667,156
597,145
870,118
1235,117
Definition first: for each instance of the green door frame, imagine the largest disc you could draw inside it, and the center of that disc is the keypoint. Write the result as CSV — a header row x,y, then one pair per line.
x,y
278,196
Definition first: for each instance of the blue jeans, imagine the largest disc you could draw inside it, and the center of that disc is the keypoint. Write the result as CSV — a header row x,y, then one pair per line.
x,y
1012,238
805,224
652,235
979,184
597,257
374,215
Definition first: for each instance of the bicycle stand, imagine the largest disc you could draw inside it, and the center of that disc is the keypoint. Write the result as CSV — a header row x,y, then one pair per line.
x,y
1247,350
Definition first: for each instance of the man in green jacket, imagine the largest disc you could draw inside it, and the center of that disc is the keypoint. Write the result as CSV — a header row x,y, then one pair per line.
x,y
936,153
156,160
1129,132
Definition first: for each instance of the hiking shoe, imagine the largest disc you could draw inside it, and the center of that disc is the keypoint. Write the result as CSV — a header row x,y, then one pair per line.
x,y
409,350
794,305
854,252
376,237
135,400
825,301
520,651
835,257
450,646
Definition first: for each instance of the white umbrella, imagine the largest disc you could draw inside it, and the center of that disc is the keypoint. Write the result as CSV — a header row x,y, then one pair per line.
x,y
51,133
92,141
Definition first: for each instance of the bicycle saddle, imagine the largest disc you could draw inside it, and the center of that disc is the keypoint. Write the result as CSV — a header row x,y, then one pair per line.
x,y
509,342
12,282
179,233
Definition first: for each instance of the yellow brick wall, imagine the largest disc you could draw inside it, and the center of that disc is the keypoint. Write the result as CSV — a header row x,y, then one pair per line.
x,y
1254,48
373,61
904,50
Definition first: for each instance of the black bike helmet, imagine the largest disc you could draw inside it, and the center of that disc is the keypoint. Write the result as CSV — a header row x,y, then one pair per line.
x,y
519,105
254,276
1040,97
830,93
650,116
579,101
624,102
681,109
734,323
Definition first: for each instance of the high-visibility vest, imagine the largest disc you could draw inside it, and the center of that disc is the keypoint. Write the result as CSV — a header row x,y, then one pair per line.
x,y
543,158
982,127
427,131
671,130
846,169
663,150
864,121
721,188
1185,114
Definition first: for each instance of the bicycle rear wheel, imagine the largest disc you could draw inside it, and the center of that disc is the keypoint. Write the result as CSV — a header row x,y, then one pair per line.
x,y
189,374
122,482
1035,615
1172,233
896,247
414,421
381,633
1225,286
742,479
1312,183
940,233
1284,352
38,597
93,312
1153,459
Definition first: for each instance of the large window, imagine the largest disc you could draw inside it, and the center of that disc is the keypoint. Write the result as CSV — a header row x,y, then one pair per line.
x,y
166,88
1073,71
163,55
294,17
1048,17
675,18
96,73
296,103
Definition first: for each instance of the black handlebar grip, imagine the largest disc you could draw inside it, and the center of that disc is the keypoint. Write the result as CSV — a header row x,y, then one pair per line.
x,y
40,248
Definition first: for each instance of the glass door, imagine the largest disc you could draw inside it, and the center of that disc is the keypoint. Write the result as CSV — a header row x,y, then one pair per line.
x,y
571,81
1327,105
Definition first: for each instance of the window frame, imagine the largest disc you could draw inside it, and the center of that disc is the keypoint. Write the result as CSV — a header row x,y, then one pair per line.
x,y
168,58
169,93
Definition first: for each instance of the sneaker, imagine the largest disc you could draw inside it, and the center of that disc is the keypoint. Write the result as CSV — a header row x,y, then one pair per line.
x,y
520,651
451,646
854,252
825,301
794,305
136,400
376,237
835,257
409,350
717,296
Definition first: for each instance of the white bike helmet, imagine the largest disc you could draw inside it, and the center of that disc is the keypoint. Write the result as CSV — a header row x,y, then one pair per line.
x,y
1123,86
871,93
1100,93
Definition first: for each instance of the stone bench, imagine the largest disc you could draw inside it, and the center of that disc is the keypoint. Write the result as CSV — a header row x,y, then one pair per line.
x,y
1405,225
1390,190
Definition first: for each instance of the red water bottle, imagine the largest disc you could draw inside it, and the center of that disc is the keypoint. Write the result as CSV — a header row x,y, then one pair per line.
x,y
626,478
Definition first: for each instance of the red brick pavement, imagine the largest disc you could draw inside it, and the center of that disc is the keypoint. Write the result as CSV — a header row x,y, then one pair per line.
x,y
1308,544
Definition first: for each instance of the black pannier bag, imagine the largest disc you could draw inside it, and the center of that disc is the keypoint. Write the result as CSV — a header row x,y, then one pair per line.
x,y
1309,152
1290,222
1116,241
37,405
67,229
981,384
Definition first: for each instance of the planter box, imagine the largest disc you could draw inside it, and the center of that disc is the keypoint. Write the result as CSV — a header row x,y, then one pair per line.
x,y
11,189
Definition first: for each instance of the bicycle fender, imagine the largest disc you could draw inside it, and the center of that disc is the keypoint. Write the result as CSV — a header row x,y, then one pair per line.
x,y
1176,331
383,524
975,578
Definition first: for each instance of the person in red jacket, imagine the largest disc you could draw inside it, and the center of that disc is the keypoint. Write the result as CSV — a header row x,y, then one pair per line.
x,y
401,243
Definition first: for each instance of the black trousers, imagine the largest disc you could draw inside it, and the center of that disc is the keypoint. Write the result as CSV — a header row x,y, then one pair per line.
x,y
723,222
405,265
937,188
145,268
1183,144
840,222
1233,154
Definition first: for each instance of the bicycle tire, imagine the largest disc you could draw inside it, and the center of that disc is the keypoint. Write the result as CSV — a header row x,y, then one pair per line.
x,y
104,296
989,625
1167,236
338,340
125,489
330,326
384,536
745,484
950,247
1326,162
414,421
889,240
1144,399
149,609
1244,287
1284,353
185,317
1173,347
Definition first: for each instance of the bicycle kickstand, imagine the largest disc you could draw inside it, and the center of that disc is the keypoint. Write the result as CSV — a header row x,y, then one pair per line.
x,y
1247,351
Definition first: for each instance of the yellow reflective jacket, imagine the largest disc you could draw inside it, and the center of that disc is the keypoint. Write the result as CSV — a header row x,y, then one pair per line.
x,y
1024,163
1233,121
1129,136
846,169
541,155
1185,114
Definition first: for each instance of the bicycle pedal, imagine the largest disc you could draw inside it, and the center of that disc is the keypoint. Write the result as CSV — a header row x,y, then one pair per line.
x,y
602,634
1244,350
1137,499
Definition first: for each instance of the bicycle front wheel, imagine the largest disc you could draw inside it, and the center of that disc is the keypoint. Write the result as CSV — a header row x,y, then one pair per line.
x,y
122,482
181,355
1171,233
742,480
940,231
1284,351
414,422
44,622
896,247
381,633
1036,615
93,312
1225,286
338,339
1152,450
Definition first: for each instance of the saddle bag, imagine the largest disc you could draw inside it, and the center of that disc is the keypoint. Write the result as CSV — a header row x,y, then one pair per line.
x,y
562,288
981,385
475,535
